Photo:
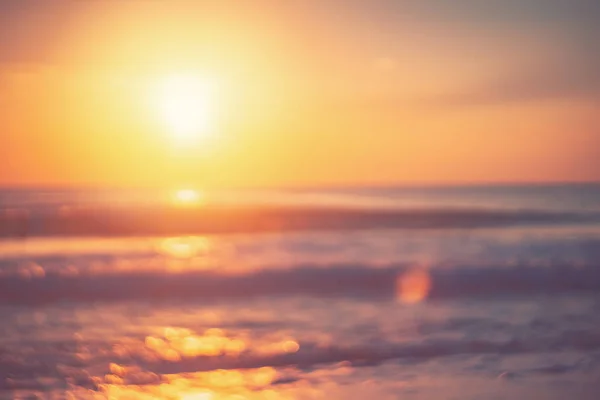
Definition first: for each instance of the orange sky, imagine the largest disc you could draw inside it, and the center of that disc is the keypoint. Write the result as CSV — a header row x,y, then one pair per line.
x,y
306,93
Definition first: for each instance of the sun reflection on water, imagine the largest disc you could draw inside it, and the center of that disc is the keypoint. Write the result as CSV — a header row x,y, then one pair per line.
x,y
185,247
188,197
181,346
198,396
179,343
239,384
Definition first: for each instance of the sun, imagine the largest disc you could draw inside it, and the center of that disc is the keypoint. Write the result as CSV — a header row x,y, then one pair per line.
x,y
186,105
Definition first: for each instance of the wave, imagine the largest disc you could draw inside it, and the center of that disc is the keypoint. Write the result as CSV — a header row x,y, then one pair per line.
x,y
86,221
312,355
37,287
136,366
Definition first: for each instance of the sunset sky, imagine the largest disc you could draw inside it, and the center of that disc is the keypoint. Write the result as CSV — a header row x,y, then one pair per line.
x,y
289,93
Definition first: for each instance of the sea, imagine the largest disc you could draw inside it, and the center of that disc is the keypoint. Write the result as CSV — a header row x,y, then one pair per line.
x,y
472,292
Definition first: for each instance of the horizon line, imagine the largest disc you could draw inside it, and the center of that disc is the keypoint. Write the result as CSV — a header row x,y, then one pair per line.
x,y
300,187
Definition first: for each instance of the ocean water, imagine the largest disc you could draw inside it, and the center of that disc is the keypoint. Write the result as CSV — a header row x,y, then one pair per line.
x,y
387,293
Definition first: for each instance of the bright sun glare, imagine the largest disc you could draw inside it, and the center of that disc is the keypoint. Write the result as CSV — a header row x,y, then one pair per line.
x,y
186,105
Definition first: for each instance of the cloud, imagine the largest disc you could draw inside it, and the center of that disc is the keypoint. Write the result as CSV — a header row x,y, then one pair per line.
x,y
496,51
568,80
30,31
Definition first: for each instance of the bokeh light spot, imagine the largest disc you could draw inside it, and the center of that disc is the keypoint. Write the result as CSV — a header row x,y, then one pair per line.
x,y
413,286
